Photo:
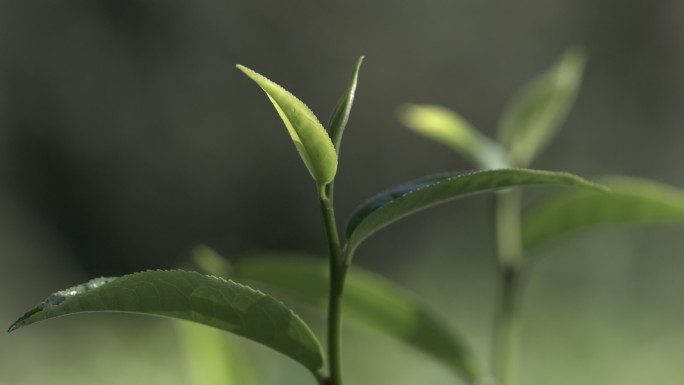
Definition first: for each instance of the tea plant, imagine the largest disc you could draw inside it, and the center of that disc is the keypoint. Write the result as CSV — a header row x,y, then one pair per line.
x,y
528,124
369,299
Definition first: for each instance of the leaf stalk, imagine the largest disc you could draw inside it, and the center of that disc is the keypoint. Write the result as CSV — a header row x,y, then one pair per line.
x,y
510,259
338,271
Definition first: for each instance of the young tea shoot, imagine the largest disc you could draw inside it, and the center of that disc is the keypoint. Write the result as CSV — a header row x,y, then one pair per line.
x,y
369,300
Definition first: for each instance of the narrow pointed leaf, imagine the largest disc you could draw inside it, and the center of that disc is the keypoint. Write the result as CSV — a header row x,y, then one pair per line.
x,y
408,198
447,127
632,201
340,117
194,297
535,114
307,133
369,300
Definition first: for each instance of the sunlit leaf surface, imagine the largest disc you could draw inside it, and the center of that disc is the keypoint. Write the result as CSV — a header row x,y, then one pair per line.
x,y
447,127
307,133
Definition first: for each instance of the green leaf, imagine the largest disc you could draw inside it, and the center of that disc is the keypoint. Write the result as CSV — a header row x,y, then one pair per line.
x,y
369,300
535,114
408,198
210,358
194,297
631,201
211,262
307,133
340,117
445,126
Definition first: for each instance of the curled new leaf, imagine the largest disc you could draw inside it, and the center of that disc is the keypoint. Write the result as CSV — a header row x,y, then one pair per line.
x,y
194,297
631,201
405,199
450,129
536,113
340,117
307,133
369,300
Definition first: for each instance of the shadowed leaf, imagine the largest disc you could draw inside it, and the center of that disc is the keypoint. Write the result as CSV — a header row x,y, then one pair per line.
x,y
194,297
369,300
408,198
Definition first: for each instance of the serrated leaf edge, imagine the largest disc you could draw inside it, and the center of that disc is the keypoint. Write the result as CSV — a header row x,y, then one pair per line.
x,y
458,174
309,113
350,234
42,305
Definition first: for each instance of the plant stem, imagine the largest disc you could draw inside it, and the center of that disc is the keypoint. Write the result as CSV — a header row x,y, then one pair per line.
x,y
338,270
321,378
510,258
508,228
507,327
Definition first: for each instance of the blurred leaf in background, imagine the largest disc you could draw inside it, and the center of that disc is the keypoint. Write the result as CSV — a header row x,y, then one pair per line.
x,y
122,135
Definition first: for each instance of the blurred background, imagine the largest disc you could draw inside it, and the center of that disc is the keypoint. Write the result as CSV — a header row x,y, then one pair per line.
x,y
127,137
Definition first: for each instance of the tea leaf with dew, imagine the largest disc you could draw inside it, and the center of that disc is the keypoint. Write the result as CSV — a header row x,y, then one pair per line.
x,y
190,296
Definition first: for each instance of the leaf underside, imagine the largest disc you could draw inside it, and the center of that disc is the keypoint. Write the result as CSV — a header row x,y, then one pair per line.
x,y
307,133
632,201
193,297
405,199
369,300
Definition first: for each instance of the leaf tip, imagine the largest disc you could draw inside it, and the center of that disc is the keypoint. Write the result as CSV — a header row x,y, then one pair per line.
x,y
249,72
16,325
570,68
575,53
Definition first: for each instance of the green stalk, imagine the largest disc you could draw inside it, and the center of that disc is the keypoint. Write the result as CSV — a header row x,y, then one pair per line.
x,y
510,258
321,378
338,270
